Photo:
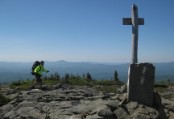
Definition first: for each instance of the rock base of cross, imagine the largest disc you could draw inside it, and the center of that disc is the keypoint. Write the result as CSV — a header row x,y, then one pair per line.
x,y
141,83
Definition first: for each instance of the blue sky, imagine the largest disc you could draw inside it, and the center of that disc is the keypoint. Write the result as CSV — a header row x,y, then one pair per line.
x,y
84,30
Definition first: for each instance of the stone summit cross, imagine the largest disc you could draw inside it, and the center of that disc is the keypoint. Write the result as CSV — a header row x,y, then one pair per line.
x,y
140,76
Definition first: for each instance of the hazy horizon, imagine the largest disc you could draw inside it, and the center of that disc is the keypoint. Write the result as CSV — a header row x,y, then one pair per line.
x,y
81,62
11,71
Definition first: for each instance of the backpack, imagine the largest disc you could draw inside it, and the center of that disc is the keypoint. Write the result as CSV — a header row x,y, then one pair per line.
x,y
36,63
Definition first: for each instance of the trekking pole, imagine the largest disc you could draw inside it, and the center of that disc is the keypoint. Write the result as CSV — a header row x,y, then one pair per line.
x,y
44,74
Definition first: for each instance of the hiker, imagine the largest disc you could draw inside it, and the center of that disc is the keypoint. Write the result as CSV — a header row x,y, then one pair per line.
x,y
37,71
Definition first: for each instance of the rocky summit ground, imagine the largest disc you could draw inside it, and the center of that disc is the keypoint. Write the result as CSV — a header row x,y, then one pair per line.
x,y
81,102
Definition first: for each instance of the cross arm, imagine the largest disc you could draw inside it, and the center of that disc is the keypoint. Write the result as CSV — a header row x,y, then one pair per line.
x,y
140,21
128,21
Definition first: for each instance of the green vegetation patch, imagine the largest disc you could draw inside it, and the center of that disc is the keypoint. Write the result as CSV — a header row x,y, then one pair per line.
x,y
160,89
74,80
4,100
107,89
21,85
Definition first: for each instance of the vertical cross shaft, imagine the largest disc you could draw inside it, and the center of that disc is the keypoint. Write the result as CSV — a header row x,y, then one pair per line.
x,y
134,21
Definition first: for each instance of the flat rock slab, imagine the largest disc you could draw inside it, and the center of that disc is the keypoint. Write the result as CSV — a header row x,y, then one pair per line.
x,y
87,103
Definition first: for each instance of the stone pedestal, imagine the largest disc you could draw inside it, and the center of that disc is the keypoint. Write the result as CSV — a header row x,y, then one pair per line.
x,y
141,83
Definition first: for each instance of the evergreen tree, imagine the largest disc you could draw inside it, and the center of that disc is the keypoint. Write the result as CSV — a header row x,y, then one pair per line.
x,y
57,76
116,76
88,76
66,77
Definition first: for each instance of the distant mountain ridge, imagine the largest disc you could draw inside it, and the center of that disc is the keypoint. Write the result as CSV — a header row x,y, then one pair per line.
x,y
10,71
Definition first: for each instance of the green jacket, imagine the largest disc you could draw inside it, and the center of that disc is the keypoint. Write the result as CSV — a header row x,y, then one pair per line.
x,y
40,69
